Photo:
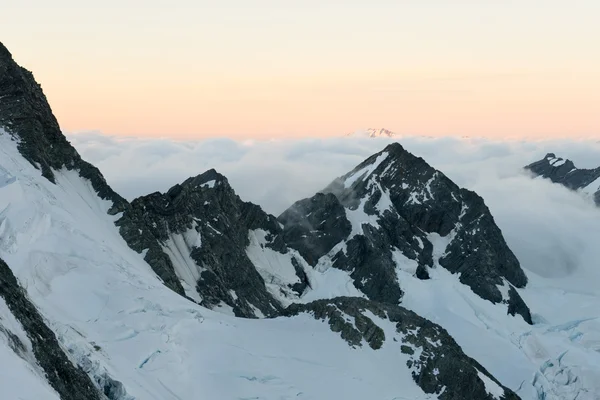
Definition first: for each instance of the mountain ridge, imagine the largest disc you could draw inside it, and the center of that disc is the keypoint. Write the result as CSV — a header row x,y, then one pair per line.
x,y
564,172
405,201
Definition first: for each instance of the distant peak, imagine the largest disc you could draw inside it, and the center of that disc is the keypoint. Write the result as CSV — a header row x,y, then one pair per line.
x,y
374,132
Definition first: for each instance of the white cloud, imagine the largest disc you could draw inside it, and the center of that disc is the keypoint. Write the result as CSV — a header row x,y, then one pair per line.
x,y
553,231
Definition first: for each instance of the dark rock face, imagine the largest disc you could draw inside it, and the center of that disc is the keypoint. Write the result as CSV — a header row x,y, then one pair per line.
x,y
69,381
398,206
565,173
206,210
437,362
315,225
27,116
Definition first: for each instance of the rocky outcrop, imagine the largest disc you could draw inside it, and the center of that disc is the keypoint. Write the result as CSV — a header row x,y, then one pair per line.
x,y
27,116
315,225
437,363
69,381
402,211
564,172
202,228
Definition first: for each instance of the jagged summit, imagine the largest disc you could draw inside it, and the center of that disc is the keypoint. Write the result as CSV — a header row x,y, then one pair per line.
x,y
196,237
208,178
564,172
395,213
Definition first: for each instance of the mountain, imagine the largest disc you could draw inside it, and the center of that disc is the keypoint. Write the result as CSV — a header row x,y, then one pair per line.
x,y
226,252
374,132
394,211
391,283
564,172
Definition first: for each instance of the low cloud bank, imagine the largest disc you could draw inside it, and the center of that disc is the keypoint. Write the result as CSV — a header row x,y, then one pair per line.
x,y
554,232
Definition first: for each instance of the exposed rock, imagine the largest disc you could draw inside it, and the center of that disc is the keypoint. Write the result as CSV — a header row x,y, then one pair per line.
x,y
209,225
564,172
27,116
401,210
315,225
438,364
69,381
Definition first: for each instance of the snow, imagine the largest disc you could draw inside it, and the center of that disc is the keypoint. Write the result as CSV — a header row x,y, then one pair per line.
x,y
275,268
359,217
178,247
555,359
404,263
366,171
327,282
18,380
424,194
504,289
24,379
385,202
112,313
421,245
209,184
428,186
592,187
413,199
490,386
439,243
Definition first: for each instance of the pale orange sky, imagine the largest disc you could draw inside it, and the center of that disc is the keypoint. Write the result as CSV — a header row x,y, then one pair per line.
x,y
265,68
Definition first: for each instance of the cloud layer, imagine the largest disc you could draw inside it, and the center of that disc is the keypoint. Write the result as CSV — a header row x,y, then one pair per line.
x,y
554,232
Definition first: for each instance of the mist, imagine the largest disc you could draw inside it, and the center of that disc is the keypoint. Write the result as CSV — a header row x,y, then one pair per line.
x,y
554,232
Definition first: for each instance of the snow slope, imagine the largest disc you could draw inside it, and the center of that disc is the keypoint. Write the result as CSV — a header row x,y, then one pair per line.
x,y
22,380
118,320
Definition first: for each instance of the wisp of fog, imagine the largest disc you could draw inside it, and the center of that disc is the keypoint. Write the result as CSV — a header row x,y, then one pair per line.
x,y
554,232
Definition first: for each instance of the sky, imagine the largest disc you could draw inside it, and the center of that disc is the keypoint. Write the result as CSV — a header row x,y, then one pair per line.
x,y
270,68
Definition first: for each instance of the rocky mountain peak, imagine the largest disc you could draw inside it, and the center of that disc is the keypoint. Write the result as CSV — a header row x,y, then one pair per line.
x,y
396,214
209,179
205,243
564,172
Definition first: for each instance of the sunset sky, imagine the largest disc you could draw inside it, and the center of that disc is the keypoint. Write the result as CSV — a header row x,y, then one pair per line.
x,y
291,68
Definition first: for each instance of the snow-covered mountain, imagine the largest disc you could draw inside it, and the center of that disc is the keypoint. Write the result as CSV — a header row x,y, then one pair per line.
x,y
393,283
564,172
395,214
374,132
